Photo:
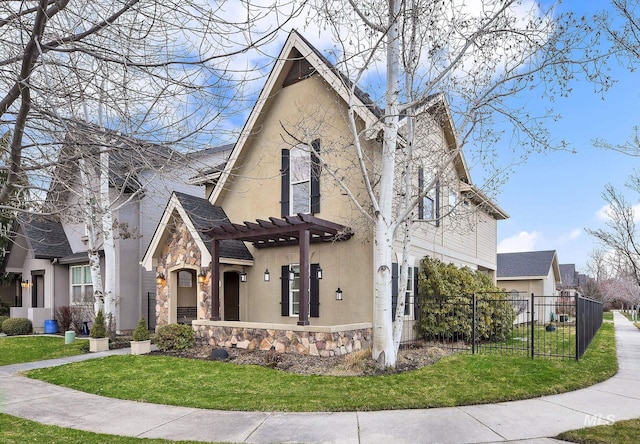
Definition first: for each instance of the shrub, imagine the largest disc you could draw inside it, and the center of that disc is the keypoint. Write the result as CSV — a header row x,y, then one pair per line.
x,y
141,332
5,309
99,330
2,319
175,337
17,326
64,316
444,297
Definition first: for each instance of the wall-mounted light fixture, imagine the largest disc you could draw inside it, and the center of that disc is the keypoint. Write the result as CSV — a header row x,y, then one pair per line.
x,y
267,275
319,272
243,276
25,284
292,274
338,294
202,276
160,279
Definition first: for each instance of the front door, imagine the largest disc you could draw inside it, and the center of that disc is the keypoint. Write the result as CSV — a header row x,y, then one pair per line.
x,y
231,296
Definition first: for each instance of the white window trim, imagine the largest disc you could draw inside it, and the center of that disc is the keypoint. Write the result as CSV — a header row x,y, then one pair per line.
x,y
82,285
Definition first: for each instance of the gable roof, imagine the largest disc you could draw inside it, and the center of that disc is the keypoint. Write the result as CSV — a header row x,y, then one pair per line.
x,y
529,264
204,216
199,215
295,49
45,236
128,156
569,275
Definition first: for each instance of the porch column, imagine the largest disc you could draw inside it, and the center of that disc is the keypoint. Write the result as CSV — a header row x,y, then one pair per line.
x,y
303,317
215,280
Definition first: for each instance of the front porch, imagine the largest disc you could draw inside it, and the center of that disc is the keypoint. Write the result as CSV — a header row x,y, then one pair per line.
x,y
314,340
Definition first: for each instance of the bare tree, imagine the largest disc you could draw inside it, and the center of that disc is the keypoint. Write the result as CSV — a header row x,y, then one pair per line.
x,y
162,72
479,59
620,236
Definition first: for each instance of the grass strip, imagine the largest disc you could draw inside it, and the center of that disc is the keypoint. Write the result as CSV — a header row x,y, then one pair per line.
x,y
15,430
620,432
16,350
460,379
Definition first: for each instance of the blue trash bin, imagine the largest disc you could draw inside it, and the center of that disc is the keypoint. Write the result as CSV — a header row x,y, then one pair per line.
x,y
51,326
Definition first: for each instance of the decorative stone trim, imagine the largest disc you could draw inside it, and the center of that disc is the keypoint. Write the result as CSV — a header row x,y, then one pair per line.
x,y
318,341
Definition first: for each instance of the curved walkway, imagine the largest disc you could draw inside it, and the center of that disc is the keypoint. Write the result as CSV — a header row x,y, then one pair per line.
x,y
529,420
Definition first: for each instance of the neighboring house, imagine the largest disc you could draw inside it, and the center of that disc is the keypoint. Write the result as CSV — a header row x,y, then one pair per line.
x,y
571,280
50,253
531,272
302,234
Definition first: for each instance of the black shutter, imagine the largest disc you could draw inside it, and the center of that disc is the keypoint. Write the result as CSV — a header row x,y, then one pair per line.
x,y
420,190
437,203
284,286
416,306
314,292
284,188
394,290
315,177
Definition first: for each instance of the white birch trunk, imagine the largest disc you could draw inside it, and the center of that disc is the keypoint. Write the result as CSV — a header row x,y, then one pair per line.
x,y
107,238
92,239
383,348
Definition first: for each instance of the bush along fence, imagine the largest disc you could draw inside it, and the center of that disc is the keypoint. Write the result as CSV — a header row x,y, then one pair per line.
x,y
506,323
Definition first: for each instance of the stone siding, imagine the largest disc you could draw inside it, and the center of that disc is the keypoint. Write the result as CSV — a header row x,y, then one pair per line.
x,y
307,342
180,250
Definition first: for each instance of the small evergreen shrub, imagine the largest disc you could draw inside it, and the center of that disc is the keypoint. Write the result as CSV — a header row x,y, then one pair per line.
x,y
99,330
17,326
2,319
141,332
175,337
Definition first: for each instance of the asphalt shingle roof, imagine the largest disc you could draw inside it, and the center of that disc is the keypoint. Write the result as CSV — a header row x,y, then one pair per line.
x,y
46,236
530,263
204,216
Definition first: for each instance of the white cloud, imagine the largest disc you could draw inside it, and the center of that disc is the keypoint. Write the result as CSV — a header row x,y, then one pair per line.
x,y
604,213
523,241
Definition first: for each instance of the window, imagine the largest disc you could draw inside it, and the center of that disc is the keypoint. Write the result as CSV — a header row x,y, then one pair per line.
x,y
453,199
300,180
294,292
81,284
428,207
408,296
300,172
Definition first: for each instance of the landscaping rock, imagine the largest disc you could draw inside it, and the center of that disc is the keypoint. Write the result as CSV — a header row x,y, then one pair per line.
x,y
219,354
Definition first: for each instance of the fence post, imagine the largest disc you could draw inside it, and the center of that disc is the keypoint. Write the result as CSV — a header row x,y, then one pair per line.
x,y
473,324
533,326
578,329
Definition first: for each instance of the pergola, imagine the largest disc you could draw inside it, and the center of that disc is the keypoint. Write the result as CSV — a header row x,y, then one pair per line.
x,y
302,229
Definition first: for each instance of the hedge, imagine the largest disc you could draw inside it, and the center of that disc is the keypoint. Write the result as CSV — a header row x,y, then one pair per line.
x,y
446,312
175,337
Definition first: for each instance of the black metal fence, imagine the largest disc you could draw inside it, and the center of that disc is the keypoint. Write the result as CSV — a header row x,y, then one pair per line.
x,y
151,310
506,323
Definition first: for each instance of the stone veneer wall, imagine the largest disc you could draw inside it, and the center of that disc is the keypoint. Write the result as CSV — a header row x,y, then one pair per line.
x,y
181,249
325,341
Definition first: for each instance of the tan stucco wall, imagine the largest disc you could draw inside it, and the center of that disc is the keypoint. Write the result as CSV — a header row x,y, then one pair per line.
x,y
347,265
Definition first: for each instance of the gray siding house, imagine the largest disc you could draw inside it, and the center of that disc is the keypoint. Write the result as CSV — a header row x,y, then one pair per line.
x,y
49,253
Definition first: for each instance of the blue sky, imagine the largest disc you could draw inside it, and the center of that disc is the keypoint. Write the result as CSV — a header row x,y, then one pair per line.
x,y
552,198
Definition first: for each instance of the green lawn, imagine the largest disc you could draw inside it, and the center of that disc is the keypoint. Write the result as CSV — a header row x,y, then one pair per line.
x,y
620,432
18,431
15,350
607,316
456,380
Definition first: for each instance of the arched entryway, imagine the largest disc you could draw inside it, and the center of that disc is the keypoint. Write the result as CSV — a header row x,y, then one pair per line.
x,y
231,296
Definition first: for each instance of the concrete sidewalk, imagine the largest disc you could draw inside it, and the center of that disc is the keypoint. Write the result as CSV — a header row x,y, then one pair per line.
x,y
531,420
